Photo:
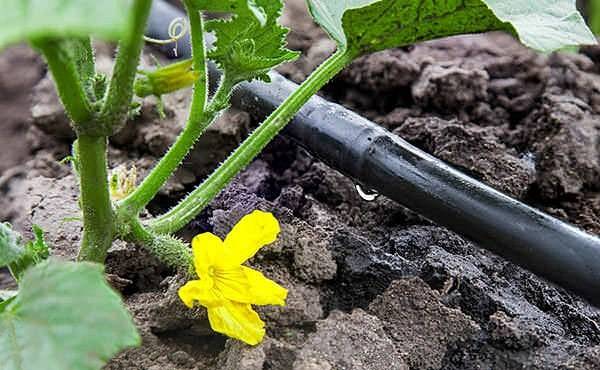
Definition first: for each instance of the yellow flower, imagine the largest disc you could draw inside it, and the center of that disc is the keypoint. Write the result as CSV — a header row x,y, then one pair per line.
x,y
228,289
165,80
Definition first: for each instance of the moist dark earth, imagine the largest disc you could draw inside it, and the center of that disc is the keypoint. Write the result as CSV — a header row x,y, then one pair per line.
x,y
372,285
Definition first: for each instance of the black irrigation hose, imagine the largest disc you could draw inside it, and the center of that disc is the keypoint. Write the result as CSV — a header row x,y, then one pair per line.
x,y
380,160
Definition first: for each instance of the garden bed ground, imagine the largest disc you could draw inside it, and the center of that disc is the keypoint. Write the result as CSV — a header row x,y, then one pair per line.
x,y
372,285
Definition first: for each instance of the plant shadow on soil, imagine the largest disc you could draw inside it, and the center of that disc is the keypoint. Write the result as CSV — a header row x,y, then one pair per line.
x,y
371,284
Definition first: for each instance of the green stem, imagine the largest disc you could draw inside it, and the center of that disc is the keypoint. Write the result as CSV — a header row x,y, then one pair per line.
x,y
98,217
120,90
594,16
67,79
168,249
83,56
199,119
198,60
189,207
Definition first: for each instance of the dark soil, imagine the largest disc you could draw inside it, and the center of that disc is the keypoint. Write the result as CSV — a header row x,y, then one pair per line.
x,y
371,284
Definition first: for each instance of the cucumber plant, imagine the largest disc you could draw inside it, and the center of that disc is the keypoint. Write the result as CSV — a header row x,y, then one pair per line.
x,y
66,309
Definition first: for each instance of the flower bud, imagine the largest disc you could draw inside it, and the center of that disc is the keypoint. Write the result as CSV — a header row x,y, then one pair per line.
x,y
164,80
122,182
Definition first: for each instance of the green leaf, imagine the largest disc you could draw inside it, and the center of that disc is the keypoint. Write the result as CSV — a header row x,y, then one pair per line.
x,y
64,317
544,25
22,20
35,252
246,49
10,245
16,254
365,26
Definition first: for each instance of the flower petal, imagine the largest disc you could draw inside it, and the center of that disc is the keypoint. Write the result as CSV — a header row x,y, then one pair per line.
x,y
250,234
264,291
233,284
207,250
201,291
237,320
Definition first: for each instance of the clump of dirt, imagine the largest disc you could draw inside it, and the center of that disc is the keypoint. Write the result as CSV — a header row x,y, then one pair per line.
x,y
371,285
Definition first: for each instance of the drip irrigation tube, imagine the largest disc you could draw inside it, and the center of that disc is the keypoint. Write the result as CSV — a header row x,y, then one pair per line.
x,y
372,156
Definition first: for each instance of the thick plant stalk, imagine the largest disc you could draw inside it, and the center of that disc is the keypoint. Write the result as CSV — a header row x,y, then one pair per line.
x,y
189,207
90,153
99,223
98,218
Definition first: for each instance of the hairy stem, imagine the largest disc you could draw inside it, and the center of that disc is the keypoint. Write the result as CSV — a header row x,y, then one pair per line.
x,y
199,119
83,55
67,79
199,98
168,249
189,207
98,217
120,90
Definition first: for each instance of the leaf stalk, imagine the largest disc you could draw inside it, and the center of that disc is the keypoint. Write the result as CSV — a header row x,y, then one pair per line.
x,y
120,90
67,79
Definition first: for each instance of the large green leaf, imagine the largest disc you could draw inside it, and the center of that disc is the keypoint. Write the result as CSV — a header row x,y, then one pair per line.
x,y
31,19
64,317
545,25
364,26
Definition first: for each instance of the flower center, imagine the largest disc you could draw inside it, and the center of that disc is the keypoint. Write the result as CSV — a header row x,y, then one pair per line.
x,y
211,271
